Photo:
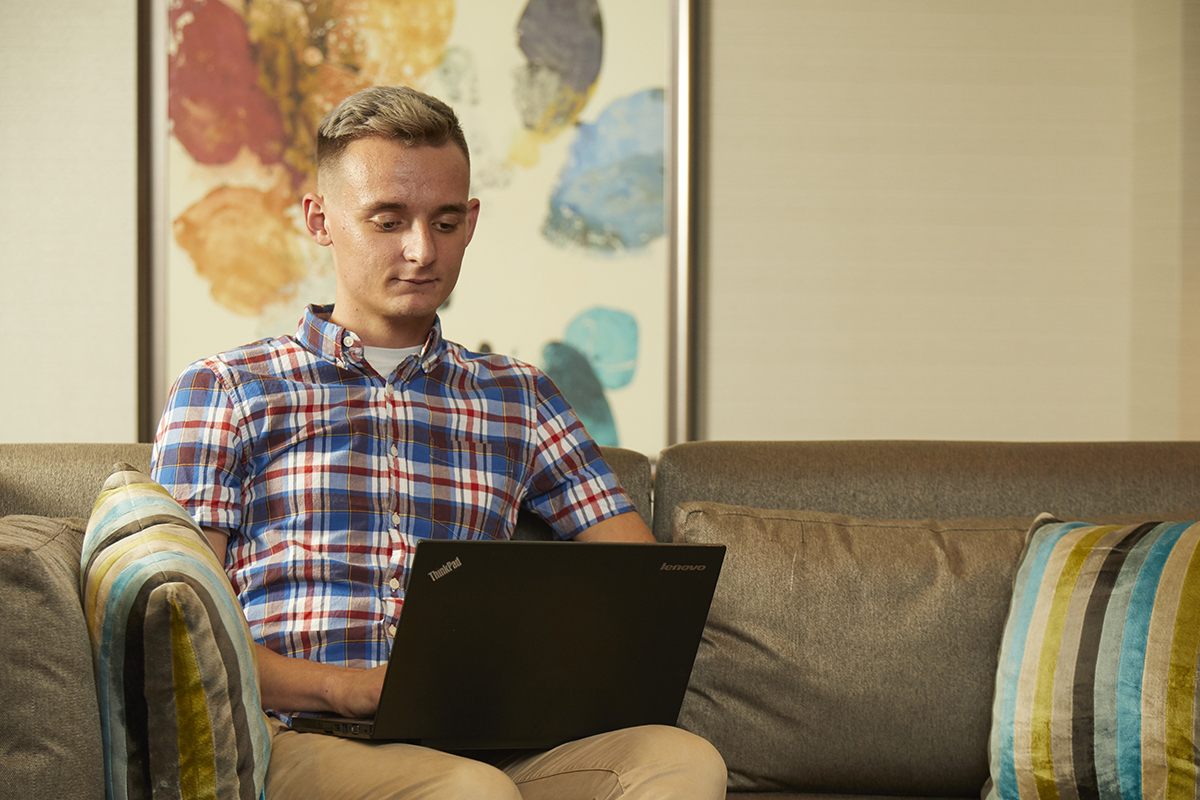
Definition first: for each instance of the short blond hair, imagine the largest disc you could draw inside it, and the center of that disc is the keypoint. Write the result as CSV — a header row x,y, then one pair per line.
x,y
399,113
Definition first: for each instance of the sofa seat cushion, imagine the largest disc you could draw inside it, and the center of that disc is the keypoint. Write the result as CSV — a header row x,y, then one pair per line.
x,y
850,655
1096,685
180,708
51,741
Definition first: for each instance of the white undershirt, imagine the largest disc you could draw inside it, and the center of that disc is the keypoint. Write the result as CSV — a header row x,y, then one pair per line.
x,y
386,359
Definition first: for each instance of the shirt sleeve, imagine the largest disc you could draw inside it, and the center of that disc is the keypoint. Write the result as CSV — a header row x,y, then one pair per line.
x,y
572,487
197,453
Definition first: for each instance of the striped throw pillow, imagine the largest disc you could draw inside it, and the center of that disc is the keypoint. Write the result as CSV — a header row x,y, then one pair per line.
x,y
180,709
1096,685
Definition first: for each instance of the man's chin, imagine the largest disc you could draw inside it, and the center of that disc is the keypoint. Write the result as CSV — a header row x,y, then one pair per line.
x,y
410,313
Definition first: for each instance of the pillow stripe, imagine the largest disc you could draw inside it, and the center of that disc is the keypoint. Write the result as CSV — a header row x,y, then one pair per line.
x,y
1133,662
181,714
1017,631
1181,687
112,572
1088,662
1089,586
1025,691
127,509
1096,689
165,749
197,775
118,630
230,652
1049,656
1180,666
129,731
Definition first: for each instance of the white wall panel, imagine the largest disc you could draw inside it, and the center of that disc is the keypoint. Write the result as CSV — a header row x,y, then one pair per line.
x,y
68,221
915,219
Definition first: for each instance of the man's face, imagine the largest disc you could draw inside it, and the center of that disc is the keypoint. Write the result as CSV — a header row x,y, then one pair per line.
x,y
399,220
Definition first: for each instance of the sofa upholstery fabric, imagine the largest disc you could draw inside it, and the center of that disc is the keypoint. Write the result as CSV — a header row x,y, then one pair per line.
x,y
930,479
843,654
864,479
47,690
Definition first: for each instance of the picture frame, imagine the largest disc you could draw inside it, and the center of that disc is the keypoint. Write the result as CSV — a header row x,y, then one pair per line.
x,y
603,304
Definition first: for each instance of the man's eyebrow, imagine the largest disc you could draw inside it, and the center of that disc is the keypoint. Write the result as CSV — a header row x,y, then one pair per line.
x,y
448,208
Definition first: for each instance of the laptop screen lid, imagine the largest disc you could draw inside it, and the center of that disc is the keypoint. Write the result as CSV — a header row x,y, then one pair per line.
x,y
531,644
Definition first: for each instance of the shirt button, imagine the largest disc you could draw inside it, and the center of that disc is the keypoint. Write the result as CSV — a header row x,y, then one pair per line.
x,y
394,583
348,341
395,518
395,450
391,630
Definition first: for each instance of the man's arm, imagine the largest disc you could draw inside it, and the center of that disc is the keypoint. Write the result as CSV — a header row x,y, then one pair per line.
x,y
627,527
298,684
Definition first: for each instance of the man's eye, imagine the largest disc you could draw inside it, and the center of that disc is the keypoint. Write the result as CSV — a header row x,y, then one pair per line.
x,y
446,227
386,224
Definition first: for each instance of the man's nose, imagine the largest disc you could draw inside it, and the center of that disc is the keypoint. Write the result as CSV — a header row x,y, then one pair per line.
x,y
419,247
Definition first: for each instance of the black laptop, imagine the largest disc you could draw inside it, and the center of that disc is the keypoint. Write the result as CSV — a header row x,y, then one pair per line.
x,y
512,645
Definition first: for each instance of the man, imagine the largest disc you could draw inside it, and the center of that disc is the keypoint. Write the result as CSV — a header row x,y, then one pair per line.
x,y
315,463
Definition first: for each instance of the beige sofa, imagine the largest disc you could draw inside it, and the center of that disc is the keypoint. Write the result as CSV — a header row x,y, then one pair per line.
x,y
853,640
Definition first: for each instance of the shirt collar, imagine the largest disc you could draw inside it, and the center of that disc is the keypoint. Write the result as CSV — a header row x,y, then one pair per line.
x,y
343,347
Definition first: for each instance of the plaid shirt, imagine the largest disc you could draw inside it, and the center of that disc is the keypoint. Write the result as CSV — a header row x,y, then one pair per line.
x,y
326,474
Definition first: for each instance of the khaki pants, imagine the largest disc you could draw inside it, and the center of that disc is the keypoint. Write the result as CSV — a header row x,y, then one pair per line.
x,y
647,763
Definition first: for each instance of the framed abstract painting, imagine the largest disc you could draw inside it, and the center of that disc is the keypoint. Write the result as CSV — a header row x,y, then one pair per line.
x,y
570,109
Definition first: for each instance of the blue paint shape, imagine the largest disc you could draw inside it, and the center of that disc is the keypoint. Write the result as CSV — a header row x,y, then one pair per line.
x,y
608,339
573,375
609,198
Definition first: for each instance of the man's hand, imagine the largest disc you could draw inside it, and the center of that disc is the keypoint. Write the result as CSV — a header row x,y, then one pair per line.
x,y
627,527
297,684
361,691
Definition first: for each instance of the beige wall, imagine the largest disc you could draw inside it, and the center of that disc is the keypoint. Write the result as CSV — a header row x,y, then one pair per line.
x,y
933,219
916,219
1166,263
68,221
1189,216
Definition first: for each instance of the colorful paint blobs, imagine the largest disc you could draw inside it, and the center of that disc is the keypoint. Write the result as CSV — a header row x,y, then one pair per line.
x,y
260,81
241,241
574,377
609,198
312,55
608,339
215,103
563,43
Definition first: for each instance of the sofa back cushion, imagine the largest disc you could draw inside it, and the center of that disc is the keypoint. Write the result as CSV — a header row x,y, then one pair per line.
x,y
850,655
929,479
60,479
51,741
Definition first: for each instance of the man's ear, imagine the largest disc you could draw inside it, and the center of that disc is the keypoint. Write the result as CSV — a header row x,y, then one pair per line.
x,y
314,219
472,217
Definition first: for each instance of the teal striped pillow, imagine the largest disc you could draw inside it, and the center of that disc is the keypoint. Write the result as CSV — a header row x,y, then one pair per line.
x,y
1096,685
180,709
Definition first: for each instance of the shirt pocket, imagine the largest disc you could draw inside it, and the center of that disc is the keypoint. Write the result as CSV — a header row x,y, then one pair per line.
x,y
475,487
